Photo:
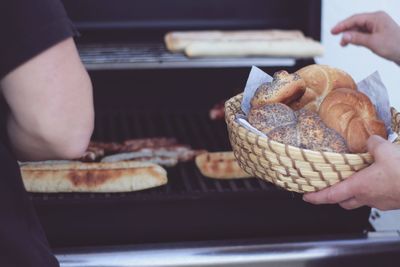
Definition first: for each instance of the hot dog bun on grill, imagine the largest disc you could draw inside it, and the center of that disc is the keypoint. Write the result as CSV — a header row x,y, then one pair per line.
x,y
220,165
75,176
178,41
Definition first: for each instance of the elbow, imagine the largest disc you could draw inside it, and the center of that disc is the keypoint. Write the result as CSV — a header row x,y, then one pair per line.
x,y
50,141
74,144
55,140
68,140
72,129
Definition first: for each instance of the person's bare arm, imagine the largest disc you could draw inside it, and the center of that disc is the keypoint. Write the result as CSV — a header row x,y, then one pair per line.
x,y
376,31
377,186
50,97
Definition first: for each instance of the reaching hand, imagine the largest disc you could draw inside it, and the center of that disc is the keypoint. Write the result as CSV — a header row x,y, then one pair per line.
x,y
376,31
377,186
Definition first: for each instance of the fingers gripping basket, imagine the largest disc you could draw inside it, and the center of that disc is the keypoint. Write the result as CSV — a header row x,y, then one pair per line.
x,y
292,168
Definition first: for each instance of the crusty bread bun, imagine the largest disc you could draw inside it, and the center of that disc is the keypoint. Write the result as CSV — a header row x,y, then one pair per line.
x,y
284,88
52,177
178,41
352,114
220,165
300,48
320,80
268,117
302,129
316,135
309,132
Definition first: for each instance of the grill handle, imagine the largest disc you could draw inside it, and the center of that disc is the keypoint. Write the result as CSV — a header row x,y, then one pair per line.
x,y
372,249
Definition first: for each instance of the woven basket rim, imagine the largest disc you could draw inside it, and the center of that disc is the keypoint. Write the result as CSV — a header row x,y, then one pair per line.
x,y
231,118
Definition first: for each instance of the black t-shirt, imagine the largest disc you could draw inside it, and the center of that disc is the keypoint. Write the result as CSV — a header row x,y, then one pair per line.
x,y
27,28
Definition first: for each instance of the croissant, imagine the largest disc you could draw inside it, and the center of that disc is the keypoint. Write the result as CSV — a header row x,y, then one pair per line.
x,y
320,80
284,88
302,129
353,116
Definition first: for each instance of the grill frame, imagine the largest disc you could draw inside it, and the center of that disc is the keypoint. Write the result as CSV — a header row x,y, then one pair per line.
x,y
191,207
150,19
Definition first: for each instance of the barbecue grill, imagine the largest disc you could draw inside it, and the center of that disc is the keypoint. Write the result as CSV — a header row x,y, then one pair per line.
x,y
141,90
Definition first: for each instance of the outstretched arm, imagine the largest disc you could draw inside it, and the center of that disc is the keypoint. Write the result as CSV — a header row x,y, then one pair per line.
x,y
376,31
50,97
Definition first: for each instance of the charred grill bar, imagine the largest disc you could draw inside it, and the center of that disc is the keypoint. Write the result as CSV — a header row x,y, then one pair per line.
x,y
142,91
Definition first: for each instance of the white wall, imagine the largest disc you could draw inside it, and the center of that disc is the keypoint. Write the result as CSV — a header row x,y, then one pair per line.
x,y
359,62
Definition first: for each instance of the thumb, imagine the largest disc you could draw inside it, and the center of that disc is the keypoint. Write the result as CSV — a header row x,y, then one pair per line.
x,y
356,38
374,141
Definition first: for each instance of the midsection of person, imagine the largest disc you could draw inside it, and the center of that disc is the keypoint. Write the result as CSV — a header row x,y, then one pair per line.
x,y
48,115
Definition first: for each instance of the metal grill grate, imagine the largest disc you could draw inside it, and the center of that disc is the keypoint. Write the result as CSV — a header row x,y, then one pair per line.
x,y
154,55
190,206
185,180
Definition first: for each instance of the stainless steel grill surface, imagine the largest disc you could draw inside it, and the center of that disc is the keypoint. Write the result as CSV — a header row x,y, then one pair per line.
x,y
190,207
155,55
194,129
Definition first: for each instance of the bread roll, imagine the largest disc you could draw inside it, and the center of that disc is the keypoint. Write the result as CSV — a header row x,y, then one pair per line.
x,y
320,80
286,134
309,132
284,88
124,176
302,129
178,41
298,48
352,114
315,135
220,165
268,117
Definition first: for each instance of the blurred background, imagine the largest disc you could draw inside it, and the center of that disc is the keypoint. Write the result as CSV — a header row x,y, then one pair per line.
x,y
359,62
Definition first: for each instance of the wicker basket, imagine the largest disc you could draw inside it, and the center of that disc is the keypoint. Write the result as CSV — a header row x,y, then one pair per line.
x,y
290,167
